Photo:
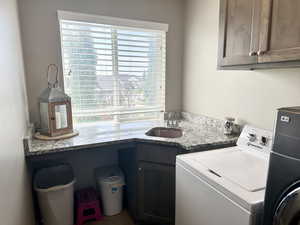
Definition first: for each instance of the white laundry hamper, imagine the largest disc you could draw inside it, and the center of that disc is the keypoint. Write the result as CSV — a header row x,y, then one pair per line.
x,y
55,191
111,181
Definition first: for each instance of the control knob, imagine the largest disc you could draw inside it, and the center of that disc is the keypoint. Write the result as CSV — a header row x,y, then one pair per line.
x,y
252,137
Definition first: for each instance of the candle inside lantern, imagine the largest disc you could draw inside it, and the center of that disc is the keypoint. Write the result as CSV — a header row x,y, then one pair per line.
x,y
61,116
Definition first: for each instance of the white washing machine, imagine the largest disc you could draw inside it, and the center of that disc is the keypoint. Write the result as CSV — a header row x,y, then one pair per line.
x,y
224,186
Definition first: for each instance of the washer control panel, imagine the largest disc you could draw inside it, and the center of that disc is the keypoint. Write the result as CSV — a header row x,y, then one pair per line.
x,y
255,138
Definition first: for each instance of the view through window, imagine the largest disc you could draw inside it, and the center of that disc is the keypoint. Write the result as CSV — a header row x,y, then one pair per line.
x,y
113,73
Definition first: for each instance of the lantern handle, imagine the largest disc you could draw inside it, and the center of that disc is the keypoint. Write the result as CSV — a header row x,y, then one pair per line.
x,y
56,77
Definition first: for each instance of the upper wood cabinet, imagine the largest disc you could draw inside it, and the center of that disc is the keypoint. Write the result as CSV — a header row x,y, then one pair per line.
x,y
238,34
280,31
259,34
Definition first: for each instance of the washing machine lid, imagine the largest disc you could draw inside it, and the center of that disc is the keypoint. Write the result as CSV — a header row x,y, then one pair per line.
x,y
240,167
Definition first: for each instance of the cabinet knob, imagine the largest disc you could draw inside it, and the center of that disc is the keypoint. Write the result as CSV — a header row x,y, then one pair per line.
x,y
260,52
140,169
253,53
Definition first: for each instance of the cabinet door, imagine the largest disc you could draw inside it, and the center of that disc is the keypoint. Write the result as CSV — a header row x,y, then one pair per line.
x,y
280,31
238,32
156,193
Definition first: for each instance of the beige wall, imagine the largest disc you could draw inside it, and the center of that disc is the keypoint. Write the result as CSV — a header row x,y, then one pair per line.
x,y
15,194
250,96
40,36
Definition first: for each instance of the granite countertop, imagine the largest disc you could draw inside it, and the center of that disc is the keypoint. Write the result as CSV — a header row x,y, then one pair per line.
x,y
198,132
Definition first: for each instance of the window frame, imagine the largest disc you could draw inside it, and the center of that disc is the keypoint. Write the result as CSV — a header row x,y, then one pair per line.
x,y
117,22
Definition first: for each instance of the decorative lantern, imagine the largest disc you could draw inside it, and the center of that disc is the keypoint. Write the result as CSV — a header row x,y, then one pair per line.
x,y
55,109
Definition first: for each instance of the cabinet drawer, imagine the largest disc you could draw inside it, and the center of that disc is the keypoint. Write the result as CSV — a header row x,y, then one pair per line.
x,y
157,153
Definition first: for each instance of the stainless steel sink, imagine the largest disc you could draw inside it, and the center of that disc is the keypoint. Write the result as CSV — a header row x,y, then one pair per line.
x,y
165,132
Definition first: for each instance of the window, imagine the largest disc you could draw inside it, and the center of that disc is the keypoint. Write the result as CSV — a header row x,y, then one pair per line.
x,y
114,69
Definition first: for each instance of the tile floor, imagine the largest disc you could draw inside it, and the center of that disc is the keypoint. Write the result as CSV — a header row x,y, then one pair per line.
x,y
120,219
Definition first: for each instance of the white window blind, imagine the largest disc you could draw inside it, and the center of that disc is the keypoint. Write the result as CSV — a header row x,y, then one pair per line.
x,y
113,72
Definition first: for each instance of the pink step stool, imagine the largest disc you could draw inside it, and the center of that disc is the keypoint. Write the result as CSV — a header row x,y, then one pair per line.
x,y
88,207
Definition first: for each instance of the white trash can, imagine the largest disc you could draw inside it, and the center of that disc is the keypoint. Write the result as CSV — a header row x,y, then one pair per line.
x,y
111,181
55,191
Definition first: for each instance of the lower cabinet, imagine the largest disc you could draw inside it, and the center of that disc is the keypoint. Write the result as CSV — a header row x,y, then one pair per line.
x,y
156,192
150,183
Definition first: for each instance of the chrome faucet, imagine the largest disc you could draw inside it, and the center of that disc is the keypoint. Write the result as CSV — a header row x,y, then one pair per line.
x,y
172,119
